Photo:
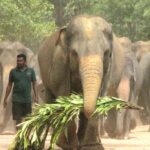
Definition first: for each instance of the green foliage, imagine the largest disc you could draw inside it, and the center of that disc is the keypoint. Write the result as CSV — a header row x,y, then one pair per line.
x,y
129,17
35,129
26,21
30,20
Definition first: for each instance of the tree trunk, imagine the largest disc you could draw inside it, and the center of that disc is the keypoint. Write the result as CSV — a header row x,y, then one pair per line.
x,y
58,14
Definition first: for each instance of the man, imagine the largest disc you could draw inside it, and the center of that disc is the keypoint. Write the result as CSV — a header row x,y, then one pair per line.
x,y
20,78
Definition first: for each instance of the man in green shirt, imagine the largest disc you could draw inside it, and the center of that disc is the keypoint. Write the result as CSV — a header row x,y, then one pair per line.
x,y
21,78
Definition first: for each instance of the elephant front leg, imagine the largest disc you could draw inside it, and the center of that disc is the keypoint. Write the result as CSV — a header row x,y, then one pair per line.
x,y
110,123
101,128
91,138
120,124
68,138
49,97
122,120
127,124
149,123
148,118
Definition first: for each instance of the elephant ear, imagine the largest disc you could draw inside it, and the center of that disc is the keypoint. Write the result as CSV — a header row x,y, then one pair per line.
x,y
117,60
108,61
60,73
107,76
61,37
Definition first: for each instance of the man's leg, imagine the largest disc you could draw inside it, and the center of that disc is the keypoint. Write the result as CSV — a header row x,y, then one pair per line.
x,y
17,113
26,109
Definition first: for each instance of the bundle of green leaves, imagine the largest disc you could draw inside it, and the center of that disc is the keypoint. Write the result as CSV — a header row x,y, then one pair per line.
x,y
35,128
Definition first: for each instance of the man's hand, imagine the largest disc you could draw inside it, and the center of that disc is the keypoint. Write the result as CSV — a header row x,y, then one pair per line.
x,y
8,89
34,84
36,100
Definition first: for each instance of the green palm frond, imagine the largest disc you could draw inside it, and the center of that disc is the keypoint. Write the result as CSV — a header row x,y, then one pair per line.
x,y
35,129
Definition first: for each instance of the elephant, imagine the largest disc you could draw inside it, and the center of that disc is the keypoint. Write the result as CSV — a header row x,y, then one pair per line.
x,y
2,47
83,57
8,54
33,63
144,96
130,84
140,48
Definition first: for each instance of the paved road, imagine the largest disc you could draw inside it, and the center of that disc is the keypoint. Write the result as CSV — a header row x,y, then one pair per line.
x,y
139,140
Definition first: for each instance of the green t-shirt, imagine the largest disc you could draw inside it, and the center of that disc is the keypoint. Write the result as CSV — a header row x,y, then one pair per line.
x,y
22,80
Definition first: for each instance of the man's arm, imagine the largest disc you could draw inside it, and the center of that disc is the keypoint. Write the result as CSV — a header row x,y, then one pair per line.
x,y
8,90
34,85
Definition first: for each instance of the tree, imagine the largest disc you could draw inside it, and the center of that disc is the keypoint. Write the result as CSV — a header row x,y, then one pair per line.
x,y
64,10
26,21
29,21
58,12
129,17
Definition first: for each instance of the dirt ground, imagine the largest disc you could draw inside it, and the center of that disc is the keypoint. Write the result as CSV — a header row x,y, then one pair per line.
x,y
139,140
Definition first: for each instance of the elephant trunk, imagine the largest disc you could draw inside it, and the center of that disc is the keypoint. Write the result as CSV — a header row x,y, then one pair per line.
x,y
91,69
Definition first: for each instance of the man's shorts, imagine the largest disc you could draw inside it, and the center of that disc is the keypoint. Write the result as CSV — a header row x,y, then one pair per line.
x,y
20,110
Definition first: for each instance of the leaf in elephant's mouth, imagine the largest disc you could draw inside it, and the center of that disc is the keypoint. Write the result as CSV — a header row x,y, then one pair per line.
x,y
34,130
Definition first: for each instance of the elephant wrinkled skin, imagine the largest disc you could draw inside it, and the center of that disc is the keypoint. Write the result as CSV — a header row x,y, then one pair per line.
x,y
140,48
129,86
84,57
144,96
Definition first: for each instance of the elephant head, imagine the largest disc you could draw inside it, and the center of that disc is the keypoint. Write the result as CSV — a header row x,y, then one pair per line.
x,y
140,48
88,44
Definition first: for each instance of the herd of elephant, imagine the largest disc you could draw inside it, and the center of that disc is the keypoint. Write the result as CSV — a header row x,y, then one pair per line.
x,y
86,57
8,58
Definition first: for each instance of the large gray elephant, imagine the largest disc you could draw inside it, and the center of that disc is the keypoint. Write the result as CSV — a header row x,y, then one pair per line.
x,y
8,55
130,84
33,63
144,96
84,57
140,48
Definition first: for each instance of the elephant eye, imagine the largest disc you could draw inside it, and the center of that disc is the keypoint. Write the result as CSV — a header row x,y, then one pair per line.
x,y
74,53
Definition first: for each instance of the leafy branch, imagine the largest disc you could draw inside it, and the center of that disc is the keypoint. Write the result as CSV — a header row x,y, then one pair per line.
x,y
35,129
